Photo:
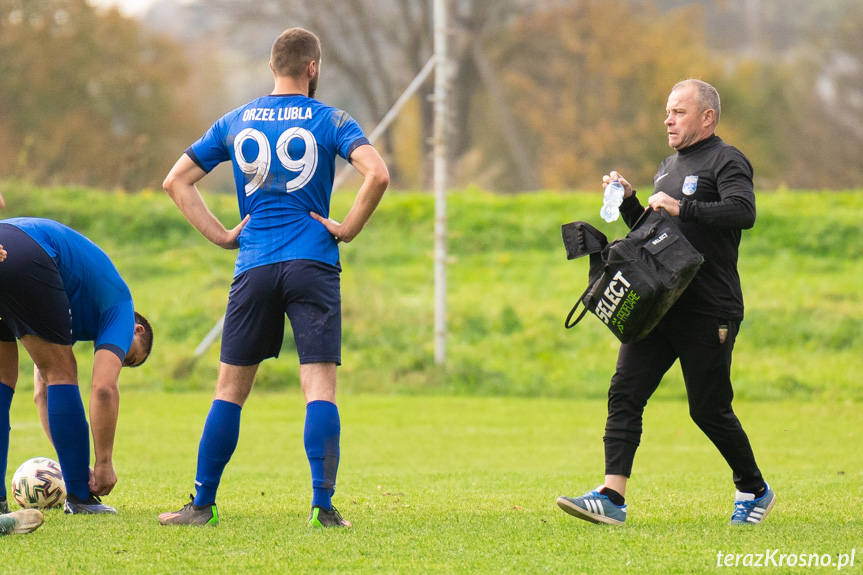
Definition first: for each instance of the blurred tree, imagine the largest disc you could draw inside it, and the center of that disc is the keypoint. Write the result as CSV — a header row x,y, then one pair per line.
x,y
375,48
589,81
798,114
87,97
821,131
378,46
543,92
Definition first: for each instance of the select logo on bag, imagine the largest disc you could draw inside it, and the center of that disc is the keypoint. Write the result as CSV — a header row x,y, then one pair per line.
x,y
689,185
617,302
660,239
633,281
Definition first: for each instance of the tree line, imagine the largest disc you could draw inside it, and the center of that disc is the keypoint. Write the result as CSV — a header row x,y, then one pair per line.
x,y
543,94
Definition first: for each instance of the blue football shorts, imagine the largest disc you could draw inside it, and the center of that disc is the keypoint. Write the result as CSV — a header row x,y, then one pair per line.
x,y
307,291
32,298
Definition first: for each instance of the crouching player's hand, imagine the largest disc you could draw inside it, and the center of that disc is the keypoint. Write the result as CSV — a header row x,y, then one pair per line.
x,y
102,479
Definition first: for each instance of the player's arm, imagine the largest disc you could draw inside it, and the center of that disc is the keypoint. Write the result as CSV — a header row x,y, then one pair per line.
x,y
366,160
180,185
104,408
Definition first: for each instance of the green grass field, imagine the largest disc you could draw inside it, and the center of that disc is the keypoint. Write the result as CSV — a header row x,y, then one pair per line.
x,y
456,469
451,485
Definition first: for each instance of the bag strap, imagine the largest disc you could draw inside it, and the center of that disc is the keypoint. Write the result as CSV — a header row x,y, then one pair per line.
x,y
664,215
643,217
567,323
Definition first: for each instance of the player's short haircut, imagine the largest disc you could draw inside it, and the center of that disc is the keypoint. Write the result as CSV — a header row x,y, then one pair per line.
x,y
292,52
707,96
147,336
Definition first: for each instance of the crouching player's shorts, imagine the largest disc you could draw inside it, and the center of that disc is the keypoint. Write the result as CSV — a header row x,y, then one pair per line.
x,y
307,291
32,298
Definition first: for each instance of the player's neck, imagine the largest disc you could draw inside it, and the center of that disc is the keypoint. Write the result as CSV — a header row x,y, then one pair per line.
x,y
290,86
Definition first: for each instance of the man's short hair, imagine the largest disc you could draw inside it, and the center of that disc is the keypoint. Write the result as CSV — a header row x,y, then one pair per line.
x,y
147,336
293,50
707,96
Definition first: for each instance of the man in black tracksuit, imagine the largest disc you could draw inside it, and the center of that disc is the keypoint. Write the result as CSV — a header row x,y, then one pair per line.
x,y
707,188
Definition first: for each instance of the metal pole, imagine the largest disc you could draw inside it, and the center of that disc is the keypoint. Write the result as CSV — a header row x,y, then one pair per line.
x,y
390,115
210,338
440,184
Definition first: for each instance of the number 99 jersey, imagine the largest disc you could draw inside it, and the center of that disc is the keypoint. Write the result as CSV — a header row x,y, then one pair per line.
x,y
283,150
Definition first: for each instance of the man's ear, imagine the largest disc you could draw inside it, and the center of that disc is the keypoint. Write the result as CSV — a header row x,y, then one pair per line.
x,y
139,329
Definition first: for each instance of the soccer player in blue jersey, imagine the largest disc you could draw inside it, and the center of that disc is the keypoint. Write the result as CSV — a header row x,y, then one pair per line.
x,y
56,288
283,148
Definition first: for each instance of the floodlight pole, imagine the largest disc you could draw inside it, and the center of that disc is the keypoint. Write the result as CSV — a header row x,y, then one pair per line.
x,y
440,172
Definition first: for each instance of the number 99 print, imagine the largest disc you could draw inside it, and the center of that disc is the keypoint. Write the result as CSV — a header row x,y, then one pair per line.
x,y
259,166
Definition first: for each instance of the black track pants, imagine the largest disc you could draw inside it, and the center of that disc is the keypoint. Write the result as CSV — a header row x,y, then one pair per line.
x,y
706,363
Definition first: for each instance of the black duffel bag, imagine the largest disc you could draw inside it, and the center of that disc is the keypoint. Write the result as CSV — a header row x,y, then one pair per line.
x,y
632,281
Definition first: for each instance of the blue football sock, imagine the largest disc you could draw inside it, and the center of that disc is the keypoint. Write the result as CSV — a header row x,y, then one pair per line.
x,y
218,442
6,394
321,438
71,435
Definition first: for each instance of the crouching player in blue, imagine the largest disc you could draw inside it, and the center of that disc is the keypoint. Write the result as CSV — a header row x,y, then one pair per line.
x,y
283,149
56,288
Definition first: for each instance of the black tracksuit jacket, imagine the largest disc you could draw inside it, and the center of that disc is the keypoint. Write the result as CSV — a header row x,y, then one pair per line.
x,y
713,181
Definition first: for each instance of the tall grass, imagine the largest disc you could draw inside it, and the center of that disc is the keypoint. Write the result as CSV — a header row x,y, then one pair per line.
x,y
510,287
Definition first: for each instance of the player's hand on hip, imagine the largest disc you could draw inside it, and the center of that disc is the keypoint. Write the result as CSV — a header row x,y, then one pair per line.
x,y
332,226
663,200
615,177
2,254
102,479
231,242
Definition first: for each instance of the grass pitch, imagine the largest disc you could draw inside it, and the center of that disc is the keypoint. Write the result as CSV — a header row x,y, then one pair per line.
x,y
450,484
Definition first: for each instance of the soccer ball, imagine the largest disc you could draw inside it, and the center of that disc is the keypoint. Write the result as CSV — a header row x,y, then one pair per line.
x,y
39,484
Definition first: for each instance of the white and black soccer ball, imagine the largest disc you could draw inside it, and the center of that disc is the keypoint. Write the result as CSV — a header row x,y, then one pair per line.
x,y
39,484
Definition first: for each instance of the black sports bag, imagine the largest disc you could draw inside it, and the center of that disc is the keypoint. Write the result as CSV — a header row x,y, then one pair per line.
x,y
632,281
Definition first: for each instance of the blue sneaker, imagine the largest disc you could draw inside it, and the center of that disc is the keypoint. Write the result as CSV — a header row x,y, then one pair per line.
x,y
748,510
594,507
91,506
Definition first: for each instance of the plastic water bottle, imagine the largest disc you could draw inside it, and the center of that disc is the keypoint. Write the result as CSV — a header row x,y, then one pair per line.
x,y
611,200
